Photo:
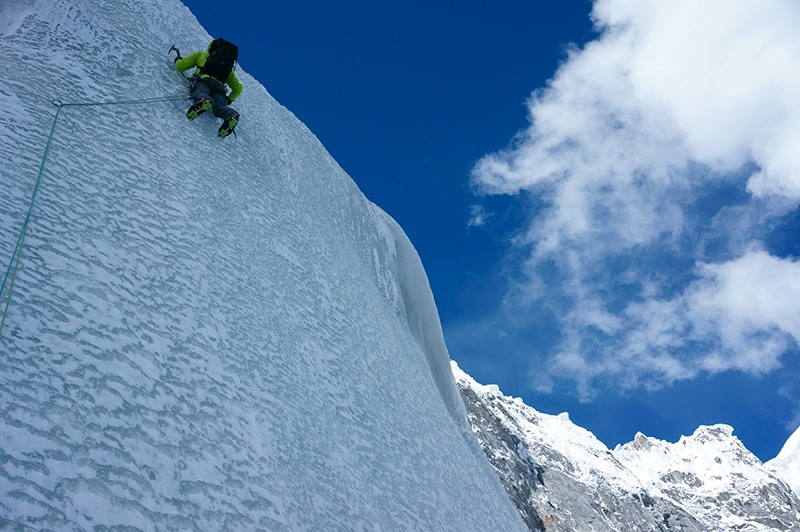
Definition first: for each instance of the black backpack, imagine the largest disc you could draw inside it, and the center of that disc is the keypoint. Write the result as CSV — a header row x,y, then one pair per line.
x,y
222,56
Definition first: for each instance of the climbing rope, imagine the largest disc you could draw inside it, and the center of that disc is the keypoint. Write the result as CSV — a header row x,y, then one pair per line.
x,y
11,271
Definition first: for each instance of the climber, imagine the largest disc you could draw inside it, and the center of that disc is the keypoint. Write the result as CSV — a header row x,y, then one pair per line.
x,y
214,70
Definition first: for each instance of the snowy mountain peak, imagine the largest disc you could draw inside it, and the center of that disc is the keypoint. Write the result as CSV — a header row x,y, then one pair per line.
x,y
714,433
715,477
561,473
641,442
716,441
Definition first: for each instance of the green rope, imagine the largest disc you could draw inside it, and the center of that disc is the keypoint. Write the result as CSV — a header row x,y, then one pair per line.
x,y
11,271
15,255
123,102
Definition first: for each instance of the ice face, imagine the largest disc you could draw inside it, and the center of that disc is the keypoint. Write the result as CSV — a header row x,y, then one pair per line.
x,y
206,334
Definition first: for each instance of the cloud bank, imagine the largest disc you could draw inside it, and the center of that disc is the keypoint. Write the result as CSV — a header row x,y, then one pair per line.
x,y
665,152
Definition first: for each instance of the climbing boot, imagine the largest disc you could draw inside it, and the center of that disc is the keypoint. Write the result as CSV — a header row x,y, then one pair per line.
x,y
200,106
228,125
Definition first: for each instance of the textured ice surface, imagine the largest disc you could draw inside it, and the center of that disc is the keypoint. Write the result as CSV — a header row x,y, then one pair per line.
x,y
206,334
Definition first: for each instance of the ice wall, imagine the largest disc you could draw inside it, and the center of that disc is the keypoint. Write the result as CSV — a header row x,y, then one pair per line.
x,y
206,334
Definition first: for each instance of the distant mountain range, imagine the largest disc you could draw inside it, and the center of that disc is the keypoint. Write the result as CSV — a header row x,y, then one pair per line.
x,y
562,478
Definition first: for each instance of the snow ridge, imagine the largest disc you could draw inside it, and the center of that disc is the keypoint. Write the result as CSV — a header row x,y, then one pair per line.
x,y
787,463
206,334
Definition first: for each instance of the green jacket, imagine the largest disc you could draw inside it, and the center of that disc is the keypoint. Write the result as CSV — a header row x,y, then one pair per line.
x,y
198,59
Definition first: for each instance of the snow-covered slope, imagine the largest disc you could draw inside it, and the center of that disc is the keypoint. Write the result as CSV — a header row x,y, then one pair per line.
x,y
562,478
787,463
205,334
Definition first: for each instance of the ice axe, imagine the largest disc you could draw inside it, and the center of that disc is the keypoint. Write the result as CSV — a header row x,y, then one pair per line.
x,y
178,56
178,52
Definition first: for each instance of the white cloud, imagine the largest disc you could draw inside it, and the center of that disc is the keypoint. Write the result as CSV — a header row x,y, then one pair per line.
x,y
673,102
740,315
752,305
477,216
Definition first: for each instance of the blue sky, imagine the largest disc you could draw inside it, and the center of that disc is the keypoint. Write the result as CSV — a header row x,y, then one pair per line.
x,y
604,194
